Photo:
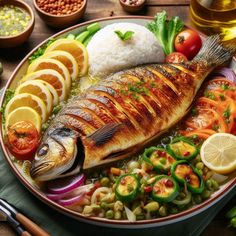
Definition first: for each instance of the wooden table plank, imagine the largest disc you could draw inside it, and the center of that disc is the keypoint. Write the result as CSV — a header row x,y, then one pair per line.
x,y
97,9
168,2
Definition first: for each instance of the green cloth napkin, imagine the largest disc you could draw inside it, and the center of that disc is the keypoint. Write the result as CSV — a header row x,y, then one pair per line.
x,y
59,225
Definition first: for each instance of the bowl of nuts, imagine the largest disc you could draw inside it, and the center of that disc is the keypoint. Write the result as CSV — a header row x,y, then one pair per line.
x,y
60,13
132,5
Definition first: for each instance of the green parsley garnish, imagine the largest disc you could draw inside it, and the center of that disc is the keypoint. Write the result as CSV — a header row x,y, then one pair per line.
x,y
194,112
224,86
209,95
8,96
222,97
124,36
40,51
227,113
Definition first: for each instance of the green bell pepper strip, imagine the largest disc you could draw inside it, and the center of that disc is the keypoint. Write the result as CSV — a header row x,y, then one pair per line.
x,y
127,187
162,183
184,201
182,149
159,158
189,177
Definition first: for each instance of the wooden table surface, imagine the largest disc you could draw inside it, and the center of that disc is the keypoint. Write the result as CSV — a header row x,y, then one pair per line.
x,y
97,9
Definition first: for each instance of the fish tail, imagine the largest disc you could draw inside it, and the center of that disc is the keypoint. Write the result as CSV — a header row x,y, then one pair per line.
x,y
215,52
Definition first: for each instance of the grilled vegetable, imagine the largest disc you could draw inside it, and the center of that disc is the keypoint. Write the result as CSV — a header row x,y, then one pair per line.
x,y
159,158
187,175
23,139
165,189
182,149
127,187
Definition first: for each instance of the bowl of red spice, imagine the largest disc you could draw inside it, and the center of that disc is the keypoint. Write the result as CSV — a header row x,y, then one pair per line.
x,y
132,5
60,13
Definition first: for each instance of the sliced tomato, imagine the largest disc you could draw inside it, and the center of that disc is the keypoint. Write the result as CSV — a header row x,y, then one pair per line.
x,y
206,118
176,57
201,133
204,102
227,107
225,87
23,140
203,119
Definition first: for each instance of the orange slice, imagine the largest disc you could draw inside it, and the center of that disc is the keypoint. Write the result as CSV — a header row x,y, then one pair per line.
x,y
52,77
44,63
75,48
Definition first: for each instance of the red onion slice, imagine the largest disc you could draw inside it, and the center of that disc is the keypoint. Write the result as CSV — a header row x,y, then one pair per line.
x,y
228,73
71,201
60,186
73,193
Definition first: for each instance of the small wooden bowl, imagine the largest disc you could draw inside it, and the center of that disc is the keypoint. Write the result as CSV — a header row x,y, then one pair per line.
x,y
63,20
132,8
13,41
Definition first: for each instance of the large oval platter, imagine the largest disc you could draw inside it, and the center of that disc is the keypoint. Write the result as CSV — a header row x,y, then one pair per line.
x,y
225,189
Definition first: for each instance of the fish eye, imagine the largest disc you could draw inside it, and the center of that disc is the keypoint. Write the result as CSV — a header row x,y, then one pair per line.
x,y
43,150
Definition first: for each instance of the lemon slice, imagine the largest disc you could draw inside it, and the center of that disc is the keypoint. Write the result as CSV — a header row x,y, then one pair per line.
x,y
75,48
218,153
52,77
66,59
38,89
44,63
27,100
24,114
53,91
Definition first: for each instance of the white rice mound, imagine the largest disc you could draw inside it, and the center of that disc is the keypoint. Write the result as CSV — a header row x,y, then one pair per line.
x,y
108,53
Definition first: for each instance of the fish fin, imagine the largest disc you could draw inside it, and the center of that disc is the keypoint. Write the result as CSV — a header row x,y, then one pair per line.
x,y
215,52
105,133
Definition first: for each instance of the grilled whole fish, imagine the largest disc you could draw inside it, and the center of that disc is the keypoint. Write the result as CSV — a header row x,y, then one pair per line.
x,y
122,113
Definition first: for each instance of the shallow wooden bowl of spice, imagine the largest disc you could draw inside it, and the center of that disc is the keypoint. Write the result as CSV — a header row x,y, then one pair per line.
x,y
16,23
132,6
60,13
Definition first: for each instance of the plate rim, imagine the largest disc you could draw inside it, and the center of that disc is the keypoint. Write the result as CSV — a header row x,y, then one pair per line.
x,y
95,220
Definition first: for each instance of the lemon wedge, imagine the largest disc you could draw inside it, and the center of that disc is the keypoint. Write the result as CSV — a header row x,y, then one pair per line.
x,y
24,114
218,153
27,100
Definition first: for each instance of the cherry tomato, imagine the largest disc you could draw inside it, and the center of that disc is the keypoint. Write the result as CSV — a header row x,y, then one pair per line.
x,y
188,42
176,57
23,140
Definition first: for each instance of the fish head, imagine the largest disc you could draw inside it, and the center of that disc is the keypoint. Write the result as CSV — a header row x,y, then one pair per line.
x,y
55,155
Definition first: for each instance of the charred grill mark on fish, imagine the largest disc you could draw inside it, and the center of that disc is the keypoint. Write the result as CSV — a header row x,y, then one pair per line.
x,y
77,124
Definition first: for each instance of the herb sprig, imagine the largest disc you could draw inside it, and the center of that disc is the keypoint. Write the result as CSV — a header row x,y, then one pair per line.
x,y
124,36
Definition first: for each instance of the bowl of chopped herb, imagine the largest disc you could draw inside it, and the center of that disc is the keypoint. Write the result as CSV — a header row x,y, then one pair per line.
x,y
16,23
